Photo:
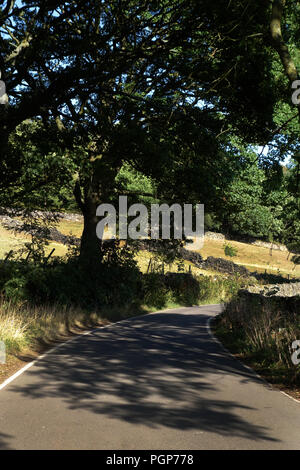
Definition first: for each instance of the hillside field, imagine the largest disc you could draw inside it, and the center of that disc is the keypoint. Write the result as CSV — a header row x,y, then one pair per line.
x,y
253,257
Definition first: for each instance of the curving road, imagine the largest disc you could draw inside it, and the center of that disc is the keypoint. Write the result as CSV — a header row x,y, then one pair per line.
x,y
159,381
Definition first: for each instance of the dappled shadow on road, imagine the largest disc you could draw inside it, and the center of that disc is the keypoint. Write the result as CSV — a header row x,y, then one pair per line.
x,y
4,441
157,370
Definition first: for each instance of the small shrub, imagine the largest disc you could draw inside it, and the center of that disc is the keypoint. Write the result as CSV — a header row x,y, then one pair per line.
x,y
185,288
154,291
15,288
230,251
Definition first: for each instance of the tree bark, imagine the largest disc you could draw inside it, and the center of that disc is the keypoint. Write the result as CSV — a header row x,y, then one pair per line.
x,y
89,194
90,246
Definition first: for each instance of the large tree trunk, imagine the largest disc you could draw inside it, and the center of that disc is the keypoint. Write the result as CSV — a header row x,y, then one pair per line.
x,y
90,246
96,189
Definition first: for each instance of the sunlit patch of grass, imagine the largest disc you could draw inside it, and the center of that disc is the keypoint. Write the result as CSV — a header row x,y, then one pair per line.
x,y
11,240
23,326
143,258
254,258
70,227
13,328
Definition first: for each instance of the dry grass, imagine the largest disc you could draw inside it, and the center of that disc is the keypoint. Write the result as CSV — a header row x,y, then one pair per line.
x,y
22,325
253,257
12,329
10,240
28,331
68,227
143,258
262,334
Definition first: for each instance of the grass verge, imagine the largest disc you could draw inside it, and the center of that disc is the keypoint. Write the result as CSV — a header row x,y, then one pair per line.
x,y
262,337
29,331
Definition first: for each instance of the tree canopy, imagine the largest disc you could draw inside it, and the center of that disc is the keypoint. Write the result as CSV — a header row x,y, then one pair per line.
x,y
179,92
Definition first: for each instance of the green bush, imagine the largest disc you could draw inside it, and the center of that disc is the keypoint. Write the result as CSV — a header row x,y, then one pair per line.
x,y
185,288
230,251
15,288
154,291
111,283
70,283
218,289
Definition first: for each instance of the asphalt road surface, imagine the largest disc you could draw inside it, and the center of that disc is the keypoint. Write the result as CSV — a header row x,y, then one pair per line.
x,y
160,381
